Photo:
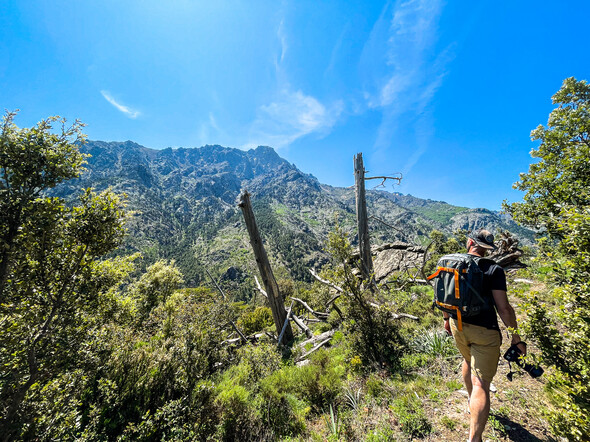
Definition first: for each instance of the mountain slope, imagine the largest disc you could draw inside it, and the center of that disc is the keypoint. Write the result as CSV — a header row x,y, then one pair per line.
x,y
185,208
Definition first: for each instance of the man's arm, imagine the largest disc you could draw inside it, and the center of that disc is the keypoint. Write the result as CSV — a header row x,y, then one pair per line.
x,y
446,323
508,316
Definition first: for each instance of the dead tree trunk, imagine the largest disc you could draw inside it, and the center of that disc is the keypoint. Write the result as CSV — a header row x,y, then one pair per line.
x,y
362,219
275,300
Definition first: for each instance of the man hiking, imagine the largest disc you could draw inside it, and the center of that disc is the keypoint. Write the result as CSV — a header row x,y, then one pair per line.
x,y
478,337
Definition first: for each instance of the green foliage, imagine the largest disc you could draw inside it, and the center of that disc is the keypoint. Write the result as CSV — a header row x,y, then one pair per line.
x,y
435,343
255,321
561,177
372,335
449,423
382,434
155,286
557,201
441,245
253,405
159,373
411,416
319,383
51,277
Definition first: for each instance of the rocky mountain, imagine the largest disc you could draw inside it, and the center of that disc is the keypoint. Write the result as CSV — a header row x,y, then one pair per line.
x,y
184,205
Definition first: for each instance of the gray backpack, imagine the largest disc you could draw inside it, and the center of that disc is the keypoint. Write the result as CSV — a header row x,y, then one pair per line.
x,y
458,285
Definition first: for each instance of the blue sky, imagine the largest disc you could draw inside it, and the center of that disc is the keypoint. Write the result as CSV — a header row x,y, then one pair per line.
x,y
445,93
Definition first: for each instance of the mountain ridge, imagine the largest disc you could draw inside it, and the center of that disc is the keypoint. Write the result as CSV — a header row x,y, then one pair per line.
x,y
184,202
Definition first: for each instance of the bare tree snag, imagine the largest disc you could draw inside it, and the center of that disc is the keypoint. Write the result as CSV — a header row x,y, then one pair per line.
x,y
289,312
361,218
272,289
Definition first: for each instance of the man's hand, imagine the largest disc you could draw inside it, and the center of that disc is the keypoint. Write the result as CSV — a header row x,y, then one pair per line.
x,y
448,327
521,347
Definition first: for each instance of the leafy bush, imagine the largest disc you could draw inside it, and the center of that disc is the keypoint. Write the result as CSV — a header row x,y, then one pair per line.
x,y
319,383
557,201
255,321
371,334
250,386
411,416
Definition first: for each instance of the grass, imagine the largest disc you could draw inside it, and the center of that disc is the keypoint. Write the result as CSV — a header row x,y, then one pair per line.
x,y
424,401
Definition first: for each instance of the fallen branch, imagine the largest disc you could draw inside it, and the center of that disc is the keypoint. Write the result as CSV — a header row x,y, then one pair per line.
x,y
317,338
305,355
304,328
320,315
395,315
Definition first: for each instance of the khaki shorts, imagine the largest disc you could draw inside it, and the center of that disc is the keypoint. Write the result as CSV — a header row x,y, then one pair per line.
x,y
480,346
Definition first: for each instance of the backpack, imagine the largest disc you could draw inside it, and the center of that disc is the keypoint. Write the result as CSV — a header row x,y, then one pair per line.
x,y
458,286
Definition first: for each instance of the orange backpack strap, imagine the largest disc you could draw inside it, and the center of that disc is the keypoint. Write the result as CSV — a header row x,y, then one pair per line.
x,y
457,293
446,269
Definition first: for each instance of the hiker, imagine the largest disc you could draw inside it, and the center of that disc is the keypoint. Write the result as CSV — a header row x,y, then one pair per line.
x,y
478,338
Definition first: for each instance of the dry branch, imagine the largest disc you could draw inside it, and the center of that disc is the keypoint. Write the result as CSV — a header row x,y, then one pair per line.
x,y
305,355
302,326
320,315
260,289
324,281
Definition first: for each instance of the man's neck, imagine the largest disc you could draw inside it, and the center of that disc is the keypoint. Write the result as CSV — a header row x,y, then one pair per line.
x,y
474,251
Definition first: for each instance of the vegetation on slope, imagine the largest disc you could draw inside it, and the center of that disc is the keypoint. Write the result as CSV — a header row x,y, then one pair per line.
x,y
97,348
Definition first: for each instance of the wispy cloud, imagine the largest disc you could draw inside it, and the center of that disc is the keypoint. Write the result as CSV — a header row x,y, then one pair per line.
x,y
291,113
404,69
282,37
291,116
131,113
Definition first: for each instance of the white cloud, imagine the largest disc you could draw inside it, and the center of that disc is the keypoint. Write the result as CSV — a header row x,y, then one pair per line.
x,y
406,36
290,116
403,71
282,36
131,113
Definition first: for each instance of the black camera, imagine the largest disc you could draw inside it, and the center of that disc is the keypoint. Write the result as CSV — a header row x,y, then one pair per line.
x,y
513,354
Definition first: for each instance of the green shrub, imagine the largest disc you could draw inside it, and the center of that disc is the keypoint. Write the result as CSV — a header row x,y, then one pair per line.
x,y
319,383
375,386
413,361
435,343
411,416
449,423
239,419
371,334
255,321
382,434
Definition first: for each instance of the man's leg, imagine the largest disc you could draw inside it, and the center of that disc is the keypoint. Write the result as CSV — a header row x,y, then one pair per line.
x,y
466,373
479,405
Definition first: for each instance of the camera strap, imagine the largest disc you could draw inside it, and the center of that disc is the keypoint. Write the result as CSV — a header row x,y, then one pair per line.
x,y
510,373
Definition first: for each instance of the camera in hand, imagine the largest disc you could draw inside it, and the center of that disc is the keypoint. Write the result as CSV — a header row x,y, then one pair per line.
x,y
513,354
